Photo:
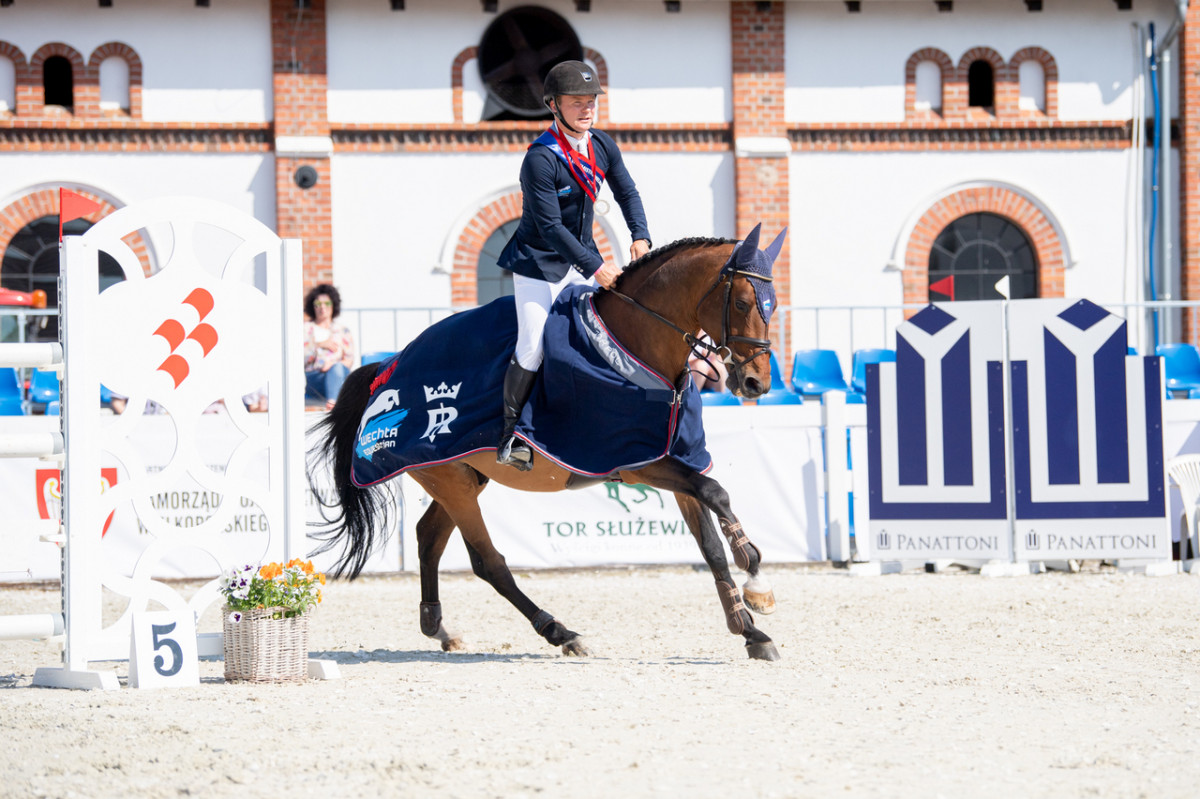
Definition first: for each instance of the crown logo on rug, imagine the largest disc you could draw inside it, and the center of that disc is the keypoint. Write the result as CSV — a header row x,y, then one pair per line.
x,y
442,392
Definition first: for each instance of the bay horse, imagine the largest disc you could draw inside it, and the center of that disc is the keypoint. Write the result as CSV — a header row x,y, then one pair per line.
x,y
656,311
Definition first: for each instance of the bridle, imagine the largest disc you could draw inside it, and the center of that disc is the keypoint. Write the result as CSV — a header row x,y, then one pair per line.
x,y
722,349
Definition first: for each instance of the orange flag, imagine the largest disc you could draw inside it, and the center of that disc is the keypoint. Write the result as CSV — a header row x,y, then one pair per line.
x,y
72,206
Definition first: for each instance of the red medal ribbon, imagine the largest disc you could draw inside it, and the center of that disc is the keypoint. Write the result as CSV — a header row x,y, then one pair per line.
x,y
583,169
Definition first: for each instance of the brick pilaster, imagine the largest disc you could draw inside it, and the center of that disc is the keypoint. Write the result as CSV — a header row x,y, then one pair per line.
x,y
1189,162
758,91
298,46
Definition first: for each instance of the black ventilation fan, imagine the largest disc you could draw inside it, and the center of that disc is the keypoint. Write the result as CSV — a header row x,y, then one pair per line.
x,y
517,51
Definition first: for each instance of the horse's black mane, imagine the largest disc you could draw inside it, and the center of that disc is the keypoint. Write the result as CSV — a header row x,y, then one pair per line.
x,y
668,250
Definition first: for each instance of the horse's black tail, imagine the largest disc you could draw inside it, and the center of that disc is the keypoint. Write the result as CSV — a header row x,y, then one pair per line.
x,y
360,522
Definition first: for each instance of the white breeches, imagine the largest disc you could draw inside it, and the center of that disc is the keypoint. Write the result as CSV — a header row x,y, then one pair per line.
x,y
534,298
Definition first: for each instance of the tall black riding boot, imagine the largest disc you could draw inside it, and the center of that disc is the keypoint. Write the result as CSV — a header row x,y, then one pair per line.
x,y
518,384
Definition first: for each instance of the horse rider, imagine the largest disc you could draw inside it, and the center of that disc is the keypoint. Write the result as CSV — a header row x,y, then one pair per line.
x,y
552,247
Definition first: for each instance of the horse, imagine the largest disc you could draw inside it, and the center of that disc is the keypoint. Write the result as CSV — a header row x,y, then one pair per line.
x,y
657,310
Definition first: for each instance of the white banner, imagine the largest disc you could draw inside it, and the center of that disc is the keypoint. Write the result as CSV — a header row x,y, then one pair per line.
x,y
30,490
769,459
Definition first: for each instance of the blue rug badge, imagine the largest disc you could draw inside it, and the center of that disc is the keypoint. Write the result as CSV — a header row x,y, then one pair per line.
x,y
747,258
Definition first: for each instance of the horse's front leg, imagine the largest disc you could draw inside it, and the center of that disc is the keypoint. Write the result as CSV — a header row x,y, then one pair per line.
x,y
737,617
694,493
756,590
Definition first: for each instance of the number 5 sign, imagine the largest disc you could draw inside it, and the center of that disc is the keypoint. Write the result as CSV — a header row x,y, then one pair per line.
x,y
162,649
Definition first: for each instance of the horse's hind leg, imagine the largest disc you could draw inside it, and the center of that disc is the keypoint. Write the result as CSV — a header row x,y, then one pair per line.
x,y
456,487
433,531
492,569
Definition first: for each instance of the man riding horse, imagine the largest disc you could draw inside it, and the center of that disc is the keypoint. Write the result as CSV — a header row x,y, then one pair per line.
x,y
552,247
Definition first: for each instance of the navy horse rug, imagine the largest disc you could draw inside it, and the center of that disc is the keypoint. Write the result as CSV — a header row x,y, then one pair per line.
x,y
595,408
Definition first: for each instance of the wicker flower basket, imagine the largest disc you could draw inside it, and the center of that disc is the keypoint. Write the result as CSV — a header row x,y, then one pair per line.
x,y
260,648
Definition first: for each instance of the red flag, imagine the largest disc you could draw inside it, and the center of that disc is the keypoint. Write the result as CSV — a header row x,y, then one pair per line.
x,y
72,206
944,286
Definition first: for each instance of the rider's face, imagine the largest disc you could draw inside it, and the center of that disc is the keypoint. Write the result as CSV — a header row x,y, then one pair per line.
x,y
578,110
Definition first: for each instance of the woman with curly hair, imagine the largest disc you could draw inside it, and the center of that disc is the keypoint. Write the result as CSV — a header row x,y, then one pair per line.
x,y
328,345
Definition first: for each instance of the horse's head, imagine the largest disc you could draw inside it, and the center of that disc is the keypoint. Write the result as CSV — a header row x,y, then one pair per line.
x,y
737,310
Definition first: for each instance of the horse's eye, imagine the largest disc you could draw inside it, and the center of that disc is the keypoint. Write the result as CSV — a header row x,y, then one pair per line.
x,y
742,306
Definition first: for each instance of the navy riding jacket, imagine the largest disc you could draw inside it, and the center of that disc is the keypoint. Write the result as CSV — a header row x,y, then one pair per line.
x,y
555,233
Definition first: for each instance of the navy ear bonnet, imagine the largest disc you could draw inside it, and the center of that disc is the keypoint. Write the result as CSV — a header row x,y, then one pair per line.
x,y
756,264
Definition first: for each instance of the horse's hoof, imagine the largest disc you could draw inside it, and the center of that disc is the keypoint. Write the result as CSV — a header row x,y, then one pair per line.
x,y
452,645
576,648
763,603
762,651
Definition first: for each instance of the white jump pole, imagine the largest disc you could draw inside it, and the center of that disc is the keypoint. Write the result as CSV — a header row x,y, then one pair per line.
x,y
47,446
35,627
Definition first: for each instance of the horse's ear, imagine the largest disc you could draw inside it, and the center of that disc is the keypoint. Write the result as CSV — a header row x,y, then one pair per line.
x,y
773,249
749,246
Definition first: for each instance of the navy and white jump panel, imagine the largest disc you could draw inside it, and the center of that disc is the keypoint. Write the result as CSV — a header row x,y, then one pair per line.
x,y
1088,469
217,320
935,438
1016,431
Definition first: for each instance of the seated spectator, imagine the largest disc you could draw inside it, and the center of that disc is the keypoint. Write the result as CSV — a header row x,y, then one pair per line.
x,y
328,345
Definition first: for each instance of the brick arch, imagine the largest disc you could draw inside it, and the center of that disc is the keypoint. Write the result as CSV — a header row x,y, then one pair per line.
x,y
1049,67
37,204
464,288
80,75
14,54
1004,95
990,199
130,56
456,78
910,81
602,73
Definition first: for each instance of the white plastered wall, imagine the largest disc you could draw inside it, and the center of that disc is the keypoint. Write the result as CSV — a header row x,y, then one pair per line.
x,y
394,67
246,182
198,64
852,213
850,67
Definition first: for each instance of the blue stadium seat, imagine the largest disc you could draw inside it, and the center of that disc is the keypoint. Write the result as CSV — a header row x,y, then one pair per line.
x,y
719,398
10,393
375,357
817,371
863,357
1182,365
779,394
43,387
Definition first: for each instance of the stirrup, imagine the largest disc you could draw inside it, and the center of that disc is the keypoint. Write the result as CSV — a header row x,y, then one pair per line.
x,y
516,453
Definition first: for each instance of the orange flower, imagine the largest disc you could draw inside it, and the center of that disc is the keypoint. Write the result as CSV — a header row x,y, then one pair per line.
x,y
321,577
270,571
319,597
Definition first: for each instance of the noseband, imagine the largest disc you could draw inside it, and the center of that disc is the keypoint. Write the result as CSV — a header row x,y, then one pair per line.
x,y
722,350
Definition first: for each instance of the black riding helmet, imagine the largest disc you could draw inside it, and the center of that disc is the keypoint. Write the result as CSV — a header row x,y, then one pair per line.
x,y
569,77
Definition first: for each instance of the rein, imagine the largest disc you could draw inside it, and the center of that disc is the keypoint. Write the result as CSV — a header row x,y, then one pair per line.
x,y
721,350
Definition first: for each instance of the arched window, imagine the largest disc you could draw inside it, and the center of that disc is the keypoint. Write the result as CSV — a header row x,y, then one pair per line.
x,y
976,252
929,86
31,262
8,85
516,52
58,82
1032,77
114,84
981,85
492,282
